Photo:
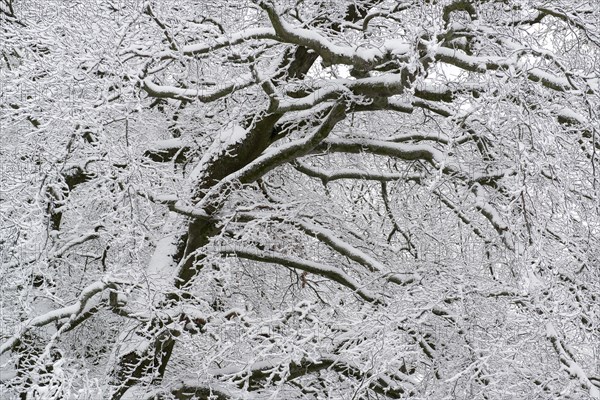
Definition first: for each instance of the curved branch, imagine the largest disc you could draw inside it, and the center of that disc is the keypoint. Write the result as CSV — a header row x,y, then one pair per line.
x,y
569,364
332,273
279,156
464,61
164,91
346,249
72,312
330,52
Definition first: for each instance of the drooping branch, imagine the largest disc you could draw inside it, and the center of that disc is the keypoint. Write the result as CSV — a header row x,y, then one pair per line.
x,y
330,52
72,312
569,364
482,64
165,91
346,249
326,271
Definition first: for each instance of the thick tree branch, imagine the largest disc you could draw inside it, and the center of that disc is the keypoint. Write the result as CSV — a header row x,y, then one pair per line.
x,y
349,173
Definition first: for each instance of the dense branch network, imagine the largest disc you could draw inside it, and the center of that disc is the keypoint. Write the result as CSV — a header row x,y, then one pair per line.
x,y
364,195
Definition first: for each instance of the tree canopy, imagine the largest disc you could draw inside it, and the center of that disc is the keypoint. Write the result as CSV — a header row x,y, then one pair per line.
x,y
364,199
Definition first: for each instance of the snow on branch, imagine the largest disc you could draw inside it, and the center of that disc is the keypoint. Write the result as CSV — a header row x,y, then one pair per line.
x,y
54,252
71,312
167,150
261,371
199,49
463,217
188,389
481,64
332,91
330,52
569,364
165,91
488,211
280,155
409,137
232,40
422,152
342,247
574,18
383,148
378,86
333,273
74,242
350,173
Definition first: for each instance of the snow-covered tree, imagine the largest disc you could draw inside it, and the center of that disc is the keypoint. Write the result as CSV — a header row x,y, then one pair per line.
x,y
300,199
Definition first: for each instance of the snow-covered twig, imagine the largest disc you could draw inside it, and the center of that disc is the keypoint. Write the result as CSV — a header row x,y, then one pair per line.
x,y
569,364
70,312
333,273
